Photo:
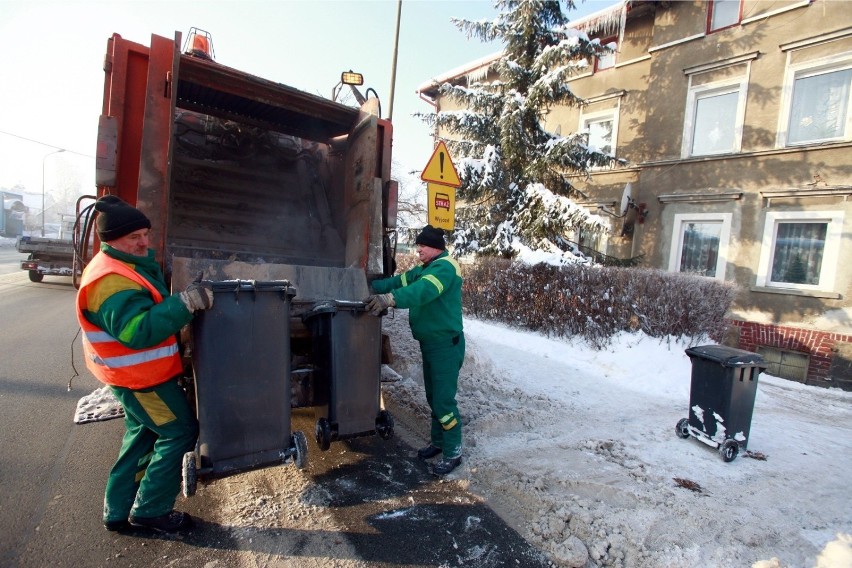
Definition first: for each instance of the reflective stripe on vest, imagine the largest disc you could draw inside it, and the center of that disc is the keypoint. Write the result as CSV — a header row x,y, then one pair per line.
x,y
109,360
135,358
433,279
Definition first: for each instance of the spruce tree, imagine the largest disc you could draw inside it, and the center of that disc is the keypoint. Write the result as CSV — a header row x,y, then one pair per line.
x,y
515,189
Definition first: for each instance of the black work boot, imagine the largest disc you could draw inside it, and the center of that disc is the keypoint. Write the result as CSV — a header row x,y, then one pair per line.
x,y
428,452
120,525
446,465
170,522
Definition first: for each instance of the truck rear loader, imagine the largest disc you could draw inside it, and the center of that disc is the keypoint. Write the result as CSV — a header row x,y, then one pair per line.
x,y
283,200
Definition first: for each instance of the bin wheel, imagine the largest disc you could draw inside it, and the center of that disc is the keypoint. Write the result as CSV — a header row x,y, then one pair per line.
x,y
729,450
384,425
36,276
682,428
190,474
323,434
300,443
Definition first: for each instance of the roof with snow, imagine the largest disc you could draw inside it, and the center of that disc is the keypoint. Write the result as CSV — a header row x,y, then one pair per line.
x,y
608,21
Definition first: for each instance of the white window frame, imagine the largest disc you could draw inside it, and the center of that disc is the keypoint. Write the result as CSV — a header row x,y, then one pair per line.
x,y
602,116
682,219
830,255
821,66
713,89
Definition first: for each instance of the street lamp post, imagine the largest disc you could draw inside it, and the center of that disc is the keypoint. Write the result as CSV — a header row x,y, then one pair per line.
x,y
42,186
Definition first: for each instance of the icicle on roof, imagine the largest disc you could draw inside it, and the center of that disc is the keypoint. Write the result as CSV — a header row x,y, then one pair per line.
x,y
609,21
478,74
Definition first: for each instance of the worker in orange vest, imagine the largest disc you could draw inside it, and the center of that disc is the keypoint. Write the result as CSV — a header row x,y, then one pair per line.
x,y
129,322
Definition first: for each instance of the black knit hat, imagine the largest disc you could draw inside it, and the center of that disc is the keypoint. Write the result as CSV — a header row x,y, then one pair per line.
x,y
431,237
117,218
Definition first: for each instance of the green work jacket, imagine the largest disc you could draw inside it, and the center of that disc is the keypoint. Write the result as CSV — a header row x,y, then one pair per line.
x,y
432,294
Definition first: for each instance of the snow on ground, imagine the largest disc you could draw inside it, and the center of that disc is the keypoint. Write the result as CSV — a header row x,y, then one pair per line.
x,y
577,448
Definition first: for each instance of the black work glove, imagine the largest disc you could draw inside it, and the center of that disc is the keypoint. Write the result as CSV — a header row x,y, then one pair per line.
x,y
197,296
378,303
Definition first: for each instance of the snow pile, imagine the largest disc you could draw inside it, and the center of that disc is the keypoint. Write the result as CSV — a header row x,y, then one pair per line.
x,y
577,449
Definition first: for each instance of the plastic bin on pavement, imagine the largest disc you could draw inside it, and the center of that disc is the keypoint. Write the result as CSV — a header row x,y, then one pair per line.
x,y
241,361
347,351
722,393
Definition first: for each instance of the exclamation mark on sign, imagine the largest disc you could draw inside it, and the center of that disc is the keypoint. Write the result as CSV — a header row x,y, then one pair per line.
x,y
441,159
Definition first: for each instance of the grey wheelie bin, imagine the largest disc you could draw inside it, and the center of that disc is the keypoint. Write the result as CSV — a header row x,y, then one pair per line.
x,y
721,401
241,362
347,351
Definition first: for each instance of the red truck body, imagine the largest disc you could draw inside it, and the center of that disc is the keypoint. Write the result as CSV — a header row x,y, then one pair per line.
x,y
245,179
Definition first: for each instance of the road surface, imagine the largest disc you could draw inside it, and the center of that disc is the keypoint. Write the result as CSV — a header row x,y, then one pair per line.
x,y
365,502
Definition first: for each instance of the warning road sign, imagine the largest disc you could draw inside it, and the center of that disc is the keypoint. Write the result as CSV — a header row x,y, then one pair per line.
x,y
440,168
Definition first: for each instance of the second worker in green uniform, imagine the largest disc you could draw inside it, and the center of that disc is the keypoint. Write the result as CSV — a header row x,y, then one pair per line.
x,y
431,292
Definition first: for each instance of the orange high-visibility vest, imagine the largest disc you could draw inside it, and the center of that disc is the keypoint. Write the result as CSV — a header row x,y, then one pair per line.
x,y
110,361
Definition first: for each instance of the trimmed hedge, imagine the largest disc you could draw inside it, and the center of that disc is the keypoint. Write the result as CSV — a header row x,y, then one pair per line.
x,y
595,302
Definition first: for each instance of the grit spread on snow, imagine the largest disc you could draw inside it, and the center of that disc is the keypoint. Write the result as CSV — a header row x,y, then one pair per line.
x,y
577,448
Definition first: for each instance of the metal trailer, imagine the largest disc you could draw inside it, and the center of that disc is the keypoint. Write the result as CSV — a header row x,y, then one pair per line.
x,y
721,399
49,256
247,179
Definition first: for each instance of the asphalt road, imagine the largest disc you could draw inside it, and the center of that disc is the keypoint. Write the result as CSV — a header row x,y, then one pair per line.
x,y
10,259
385,508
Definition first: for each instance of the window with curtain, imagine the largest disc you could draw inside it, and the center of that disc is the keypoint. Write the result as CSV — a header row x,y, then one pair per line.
x,y
700,244
819,108
723,14
699,251
798,253
592,240
800,250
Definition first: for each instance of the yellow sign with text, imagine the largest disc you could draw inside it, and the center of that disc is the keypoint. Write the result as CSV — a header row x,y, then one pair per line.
x,y
442,206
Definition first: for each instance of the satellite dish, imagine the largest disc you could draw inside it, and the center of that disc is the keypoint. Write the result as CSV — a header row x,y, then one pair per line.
x,y
626,197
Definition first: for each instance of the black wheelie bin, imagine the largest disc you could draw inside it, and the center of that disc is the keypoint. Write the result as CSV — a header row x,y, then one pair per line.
x,y
241,362
721,400
347,351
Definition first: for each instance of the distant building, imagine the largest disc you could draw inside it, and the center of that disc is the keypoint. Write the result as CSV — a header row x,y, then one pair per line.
x,y
735,118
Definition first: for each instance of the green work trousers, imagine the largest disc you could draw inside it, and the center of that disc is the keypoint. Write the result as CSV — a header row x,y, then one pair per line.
x,y
160,428
442,361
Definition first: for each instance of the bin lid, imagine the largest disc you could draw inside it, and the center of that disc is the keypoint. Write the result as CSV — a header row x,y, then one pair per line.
x,y
334,306
727,356
251,286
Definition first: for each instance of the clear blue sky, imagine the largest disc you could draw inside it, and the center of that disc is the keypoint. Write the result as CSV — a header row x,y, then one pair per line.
x,y
52,56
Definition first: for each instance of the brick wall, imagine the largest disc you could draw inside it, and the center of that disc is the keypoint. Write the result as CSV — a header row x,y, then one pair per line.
x,y
820,346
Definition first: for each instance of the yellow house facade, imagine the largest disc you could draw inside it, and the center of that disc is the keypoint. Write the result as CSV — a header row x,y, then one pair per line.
x,y
735,121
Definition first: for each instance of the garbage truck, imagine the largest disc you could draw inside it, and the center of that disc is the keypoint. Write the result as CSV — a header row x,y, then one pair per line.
x,y
283,202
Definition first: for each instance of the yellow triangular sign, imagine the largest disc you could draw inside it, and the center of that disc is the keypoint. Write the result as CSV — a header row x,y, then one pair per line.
x,y
440,168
